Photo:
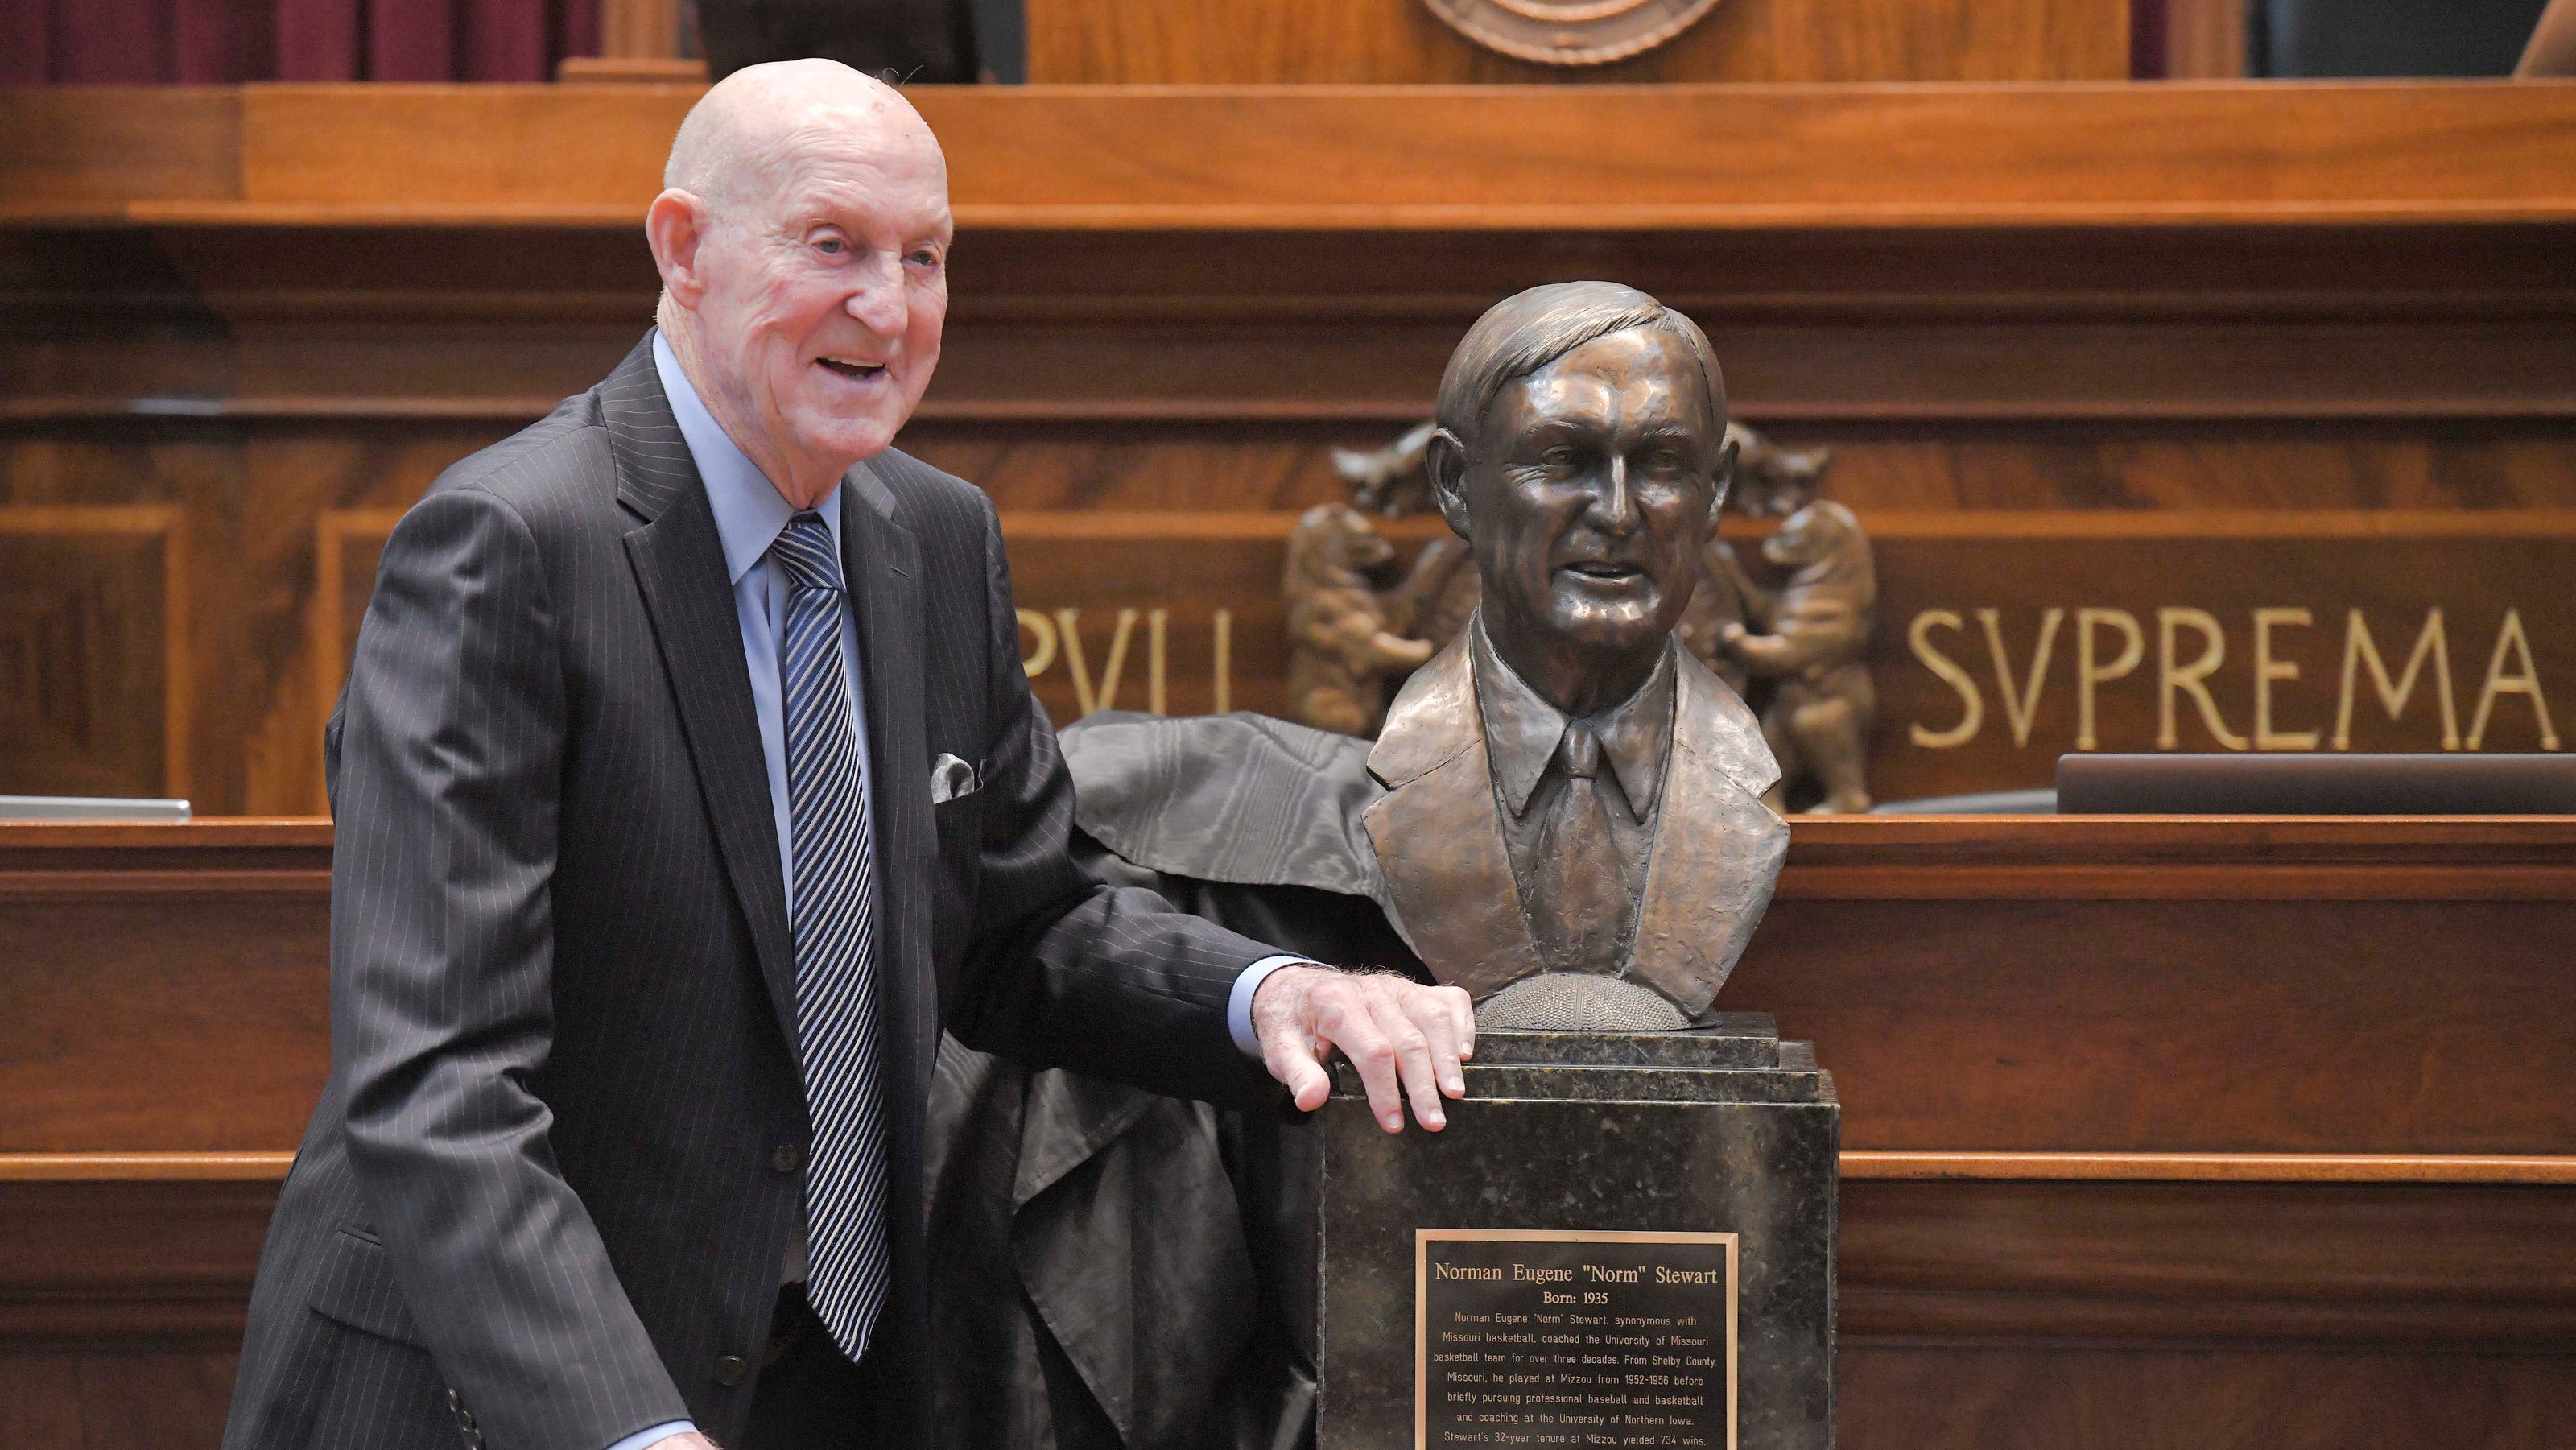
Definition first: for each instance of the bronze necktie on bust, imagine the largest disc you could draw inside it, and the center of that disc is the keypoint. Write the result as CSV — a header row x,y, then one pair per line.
x,y
1577,899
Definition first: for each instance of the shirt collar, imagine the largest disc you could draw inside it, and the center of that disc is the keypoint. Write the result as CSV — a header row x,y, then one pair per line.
x,y
1522,731
749,510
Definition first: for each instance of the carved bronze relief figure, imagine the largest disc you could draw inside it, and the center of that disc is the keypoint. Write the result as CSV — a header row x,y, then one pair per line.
x,y
1815,631
1341,646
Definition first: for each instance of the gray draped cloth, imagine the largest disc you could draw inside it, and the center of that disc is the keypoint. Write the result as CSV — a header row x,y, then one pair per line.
x,y
1120,1269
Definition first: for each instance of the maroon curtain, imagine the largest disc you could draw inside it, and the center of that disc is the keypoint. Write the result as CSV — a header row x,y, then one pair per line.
x,y
202,42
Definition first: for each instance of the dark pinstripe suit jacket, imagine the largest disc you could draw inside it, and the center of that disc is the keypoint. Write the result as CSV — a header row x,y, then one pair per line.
x,y
555,1169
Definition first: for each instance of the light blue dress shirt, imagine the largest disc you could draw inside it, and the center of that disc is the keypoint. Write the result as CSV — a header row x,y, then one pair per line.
x,y
750,513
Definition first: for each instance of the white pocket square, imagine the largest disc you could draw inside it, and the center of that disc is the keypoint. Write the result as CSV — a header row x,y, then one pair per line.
x,y
951,778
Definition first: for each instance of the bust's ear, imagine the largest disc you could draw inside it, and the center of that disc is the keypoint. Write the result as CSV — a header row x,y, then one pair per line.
x,y
1444,462
1725,477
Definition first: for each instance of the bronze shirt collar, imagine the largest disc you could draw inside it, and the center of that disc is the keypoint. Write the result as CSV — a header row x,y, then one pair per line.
x,y
1522,731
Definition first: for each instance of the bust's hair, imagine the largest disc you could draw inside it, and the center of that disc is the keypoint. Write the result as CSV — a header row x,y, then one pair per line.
x,y
1526,331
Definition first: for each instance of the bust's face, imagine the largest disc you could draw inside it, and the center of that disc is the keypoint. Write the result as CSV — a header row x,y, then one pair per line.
x,y
1591,491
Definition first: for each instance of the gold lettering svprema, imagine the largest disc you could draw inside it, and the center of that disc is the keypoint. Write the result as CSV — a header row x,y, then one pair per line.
x,y
2285,672
1972,706
1047,638
2360,650
2268,669
1069,625
1034,662
2524,681
2192,679
2089,673
2022,706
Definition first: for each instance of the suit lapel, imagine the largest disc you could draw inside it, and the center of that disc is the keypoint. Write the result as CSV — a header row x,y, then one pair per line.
x,y
882,565
1445,873
1717,848
680,569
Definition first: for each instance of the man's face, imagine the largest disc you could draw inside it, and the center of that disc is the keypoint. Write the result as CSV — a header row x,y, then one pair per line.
x,y
827,285
1591,490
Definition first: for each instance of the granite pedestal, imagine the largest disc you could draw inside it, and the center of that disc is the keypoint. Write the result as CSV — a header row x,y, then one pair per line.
x,y
1620,1239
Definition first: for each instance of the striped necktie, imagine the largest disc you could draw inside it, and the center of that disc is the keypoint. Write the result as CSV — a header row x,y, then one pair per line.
x,y
834,920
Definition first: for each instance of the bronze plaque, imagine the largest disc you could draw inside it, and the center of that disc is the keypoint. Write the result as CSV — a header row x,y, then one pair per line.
x,y
1567,1337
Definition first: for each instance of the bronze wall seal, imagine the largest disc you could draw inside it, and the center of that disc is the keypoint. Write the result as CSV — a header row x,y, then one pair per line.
x,y
1570,32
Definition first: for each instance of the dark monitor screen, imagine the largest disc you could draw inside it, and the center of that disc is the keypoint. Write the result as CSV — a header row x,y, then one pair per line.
x,y
2317,785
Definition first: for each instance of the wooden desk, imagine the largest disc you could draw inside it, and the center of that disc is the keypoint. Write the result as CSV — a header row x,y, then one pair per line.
x,y
2159,1132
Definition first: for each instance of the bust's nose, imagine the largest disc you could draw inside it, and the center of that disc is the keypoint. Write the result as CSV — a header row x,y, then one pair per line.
x,y
1614,505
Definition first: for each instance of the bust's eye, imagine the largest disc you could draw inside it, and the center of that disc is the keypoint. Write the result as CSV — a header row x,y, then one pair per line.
x,y
1663,460
1560,456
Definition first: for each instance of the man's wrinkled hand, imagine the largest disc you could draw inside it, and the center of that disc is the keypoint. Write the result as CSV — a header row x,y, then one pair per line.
x,y
1406,1039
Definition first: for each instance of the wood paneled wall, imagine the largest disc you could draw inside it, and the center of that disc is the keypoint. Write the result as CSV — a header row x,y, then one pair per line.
x,y
206,431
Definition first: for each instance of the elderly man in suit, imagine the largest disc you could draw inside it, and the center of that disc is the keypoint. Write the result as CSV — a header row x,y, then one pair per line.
x,y
688,784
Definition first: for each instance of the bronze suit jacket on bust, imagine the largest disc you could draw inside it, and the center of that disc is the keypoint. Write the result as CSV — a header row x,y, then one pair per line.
x,y
1414,823
1446,869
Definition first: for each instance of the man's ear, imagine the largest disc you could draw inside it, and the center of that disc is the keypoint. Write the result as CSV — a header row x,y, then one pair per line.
x,y
675,226
1444,462
1725,476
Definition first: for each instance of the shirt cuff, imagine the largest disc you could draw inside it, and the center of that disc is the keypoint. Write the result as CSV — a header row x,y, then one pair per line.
x,y
646,1439
1238,1006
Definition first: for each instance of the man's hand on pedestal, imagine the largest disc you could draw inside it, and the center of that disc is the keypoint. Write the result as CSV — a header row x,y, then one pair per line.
x,y
1406,1039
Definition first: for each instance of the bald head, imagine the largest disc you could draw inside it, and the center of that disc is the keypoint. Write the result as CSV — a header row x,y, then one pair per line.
x,y
802,236
744,135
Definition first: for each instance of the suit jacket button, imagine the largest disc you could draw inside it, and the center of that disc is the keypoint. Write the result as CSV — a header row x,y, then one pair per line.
x,y
787,1158
455,1401
730,1370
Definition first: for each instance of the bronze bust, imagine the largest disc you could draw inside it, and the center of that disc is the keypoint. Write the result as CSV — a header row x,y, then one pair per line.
x,y
1564,812
1570,792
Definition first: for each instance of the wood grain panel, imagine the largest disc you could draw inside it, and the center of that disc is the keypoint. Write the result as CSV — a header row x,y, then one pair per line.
x,y
1541,157
2034,985
1918,1396
2146,1262
2180,1025
125,1398
165,991
94,669
2169,469
2014,1315
2204,39
1377,42
86,153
